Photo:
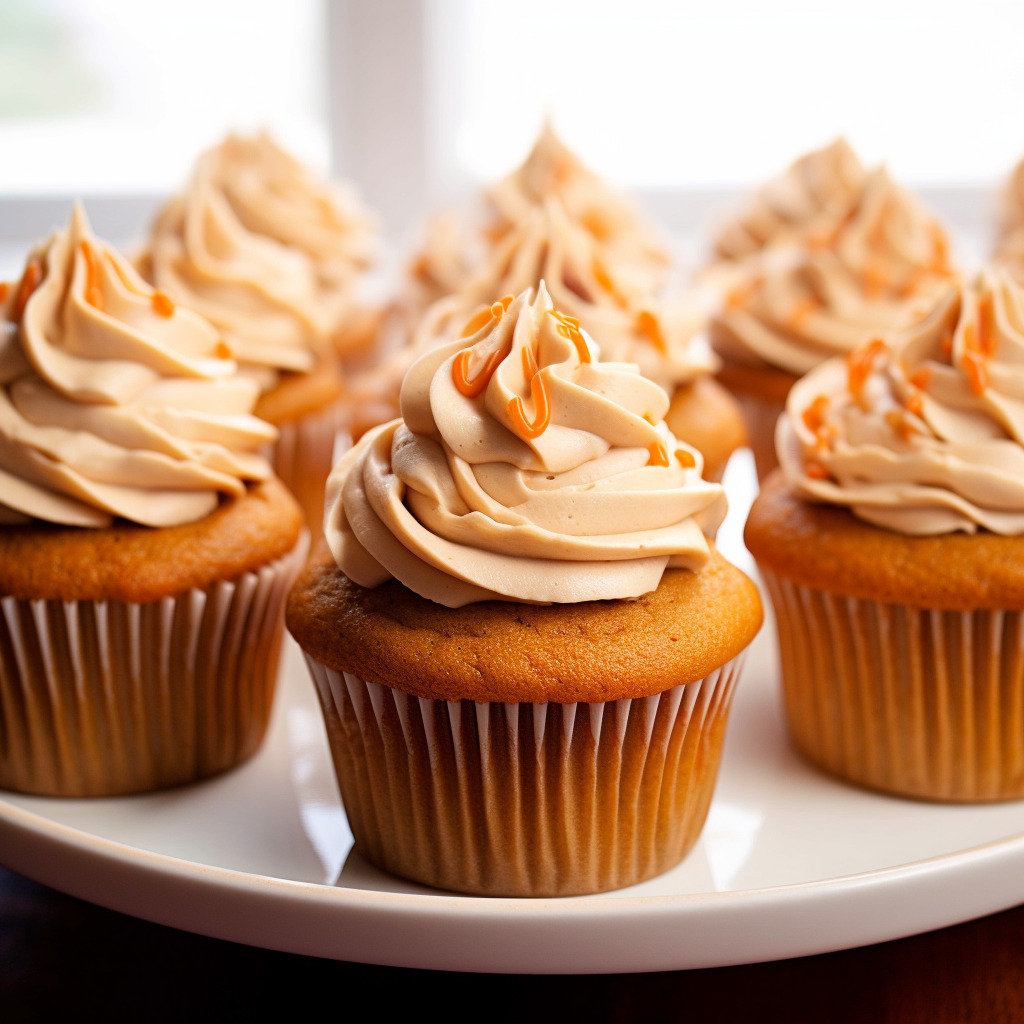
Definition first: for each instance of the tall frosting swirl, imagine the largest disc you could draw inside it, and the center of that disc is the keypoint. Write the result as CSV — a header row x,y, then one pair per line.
x,y
874,273
264,249
522,469
922,433
114,402
810,197
456,248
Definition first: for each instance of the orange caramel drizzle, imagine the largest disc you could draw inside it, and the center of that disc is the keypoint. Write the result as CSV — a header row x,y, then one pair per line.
x,y
5,290
93,291
495,311
657,455
900,423
569,328
601,276
647,326
801,311
30,281
686,459
974,360
539,395
814,420
859,363
162,304
816,471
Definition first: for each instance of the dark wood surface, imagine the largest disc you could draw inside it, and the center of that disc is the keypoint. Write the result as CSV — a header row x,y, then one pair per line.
x,y
60,956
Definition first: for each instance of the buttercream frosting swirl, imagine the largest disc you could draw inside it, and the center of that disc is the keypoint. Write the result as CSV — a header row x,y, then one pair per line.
x,y
114,402
522,469
265,250
874,273
810,197
923,433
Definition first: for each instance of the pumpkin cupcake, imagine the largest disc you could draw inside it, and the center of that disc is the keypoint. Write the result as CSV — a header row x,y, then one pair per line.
x,y
145,547
524,644
877,270
891,541
272,255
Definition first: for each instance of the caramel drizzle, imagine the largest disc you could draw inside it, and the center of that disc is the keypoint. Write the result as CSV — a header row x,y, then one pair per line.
x,y
900,423
471,387
648,326
30,281
5,289
978,347
801,311
601,276
858,366
539,395
93,290
657,455
816,471
569,328
815,421
686,459
495,311
162,305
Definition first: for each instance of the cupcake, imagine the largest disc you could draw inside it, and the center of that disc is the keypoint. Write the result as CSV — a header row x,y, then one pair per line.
x,y
145,547
272,256
523,641
877,271
891,541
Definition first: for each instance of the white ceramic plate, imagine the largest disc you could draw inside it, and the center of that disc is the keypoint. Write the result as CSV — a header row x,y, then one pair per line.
x,y
790,862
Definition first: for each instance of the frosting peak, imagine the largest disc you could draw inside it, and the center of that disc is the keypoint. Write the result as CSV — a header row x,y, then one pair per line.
x,y
113,401
872,272
922,432
264,249
525,469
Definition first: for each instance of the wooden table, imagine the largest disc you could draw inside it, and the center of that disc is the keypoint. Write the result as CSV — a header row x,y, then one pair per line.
x,y
59,955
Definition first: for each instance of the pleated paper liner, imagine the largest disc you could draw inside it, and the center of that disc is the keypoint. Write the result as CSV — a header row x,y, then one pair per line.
x,y
525,799
919,702
99,698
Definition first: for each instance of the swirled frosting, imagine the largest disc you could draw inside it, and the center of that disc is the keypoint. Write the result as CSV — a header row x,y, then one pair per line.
x,y
922,434
265,250
522,469
114,402
456,248
809,198
875,273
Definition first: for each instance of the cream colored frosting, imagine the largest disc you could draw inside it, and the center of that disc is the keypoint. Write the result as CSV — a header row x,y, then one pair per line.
x,y
456,248
265,250
460,504
811,196
922,435
114,402
883,265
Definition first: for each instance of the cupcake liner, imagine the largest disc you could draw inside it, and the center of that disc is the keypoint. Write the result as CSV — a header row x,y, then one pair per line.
x,y
305,451
99,698
920,702
525,799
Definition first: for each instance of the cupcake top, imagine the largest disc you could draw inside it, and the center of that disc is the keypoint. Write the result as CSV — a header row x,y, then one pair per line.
x,y
265,250
809,198
522,469
874,272
454,252
114,402
921,433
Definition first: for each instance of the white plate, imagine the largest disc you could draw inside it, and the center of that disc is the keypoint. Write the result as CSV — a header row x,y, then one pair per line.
x,y
790,862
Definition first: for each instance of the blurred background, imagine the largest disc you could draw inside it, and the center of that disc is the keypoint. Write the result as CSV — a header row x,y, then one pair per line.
x,y
420,101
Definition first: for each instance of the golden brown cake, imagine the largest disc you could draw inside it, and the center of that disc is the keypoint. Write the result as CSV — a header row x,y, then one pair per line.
x,y
145,547
523,642
891,542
